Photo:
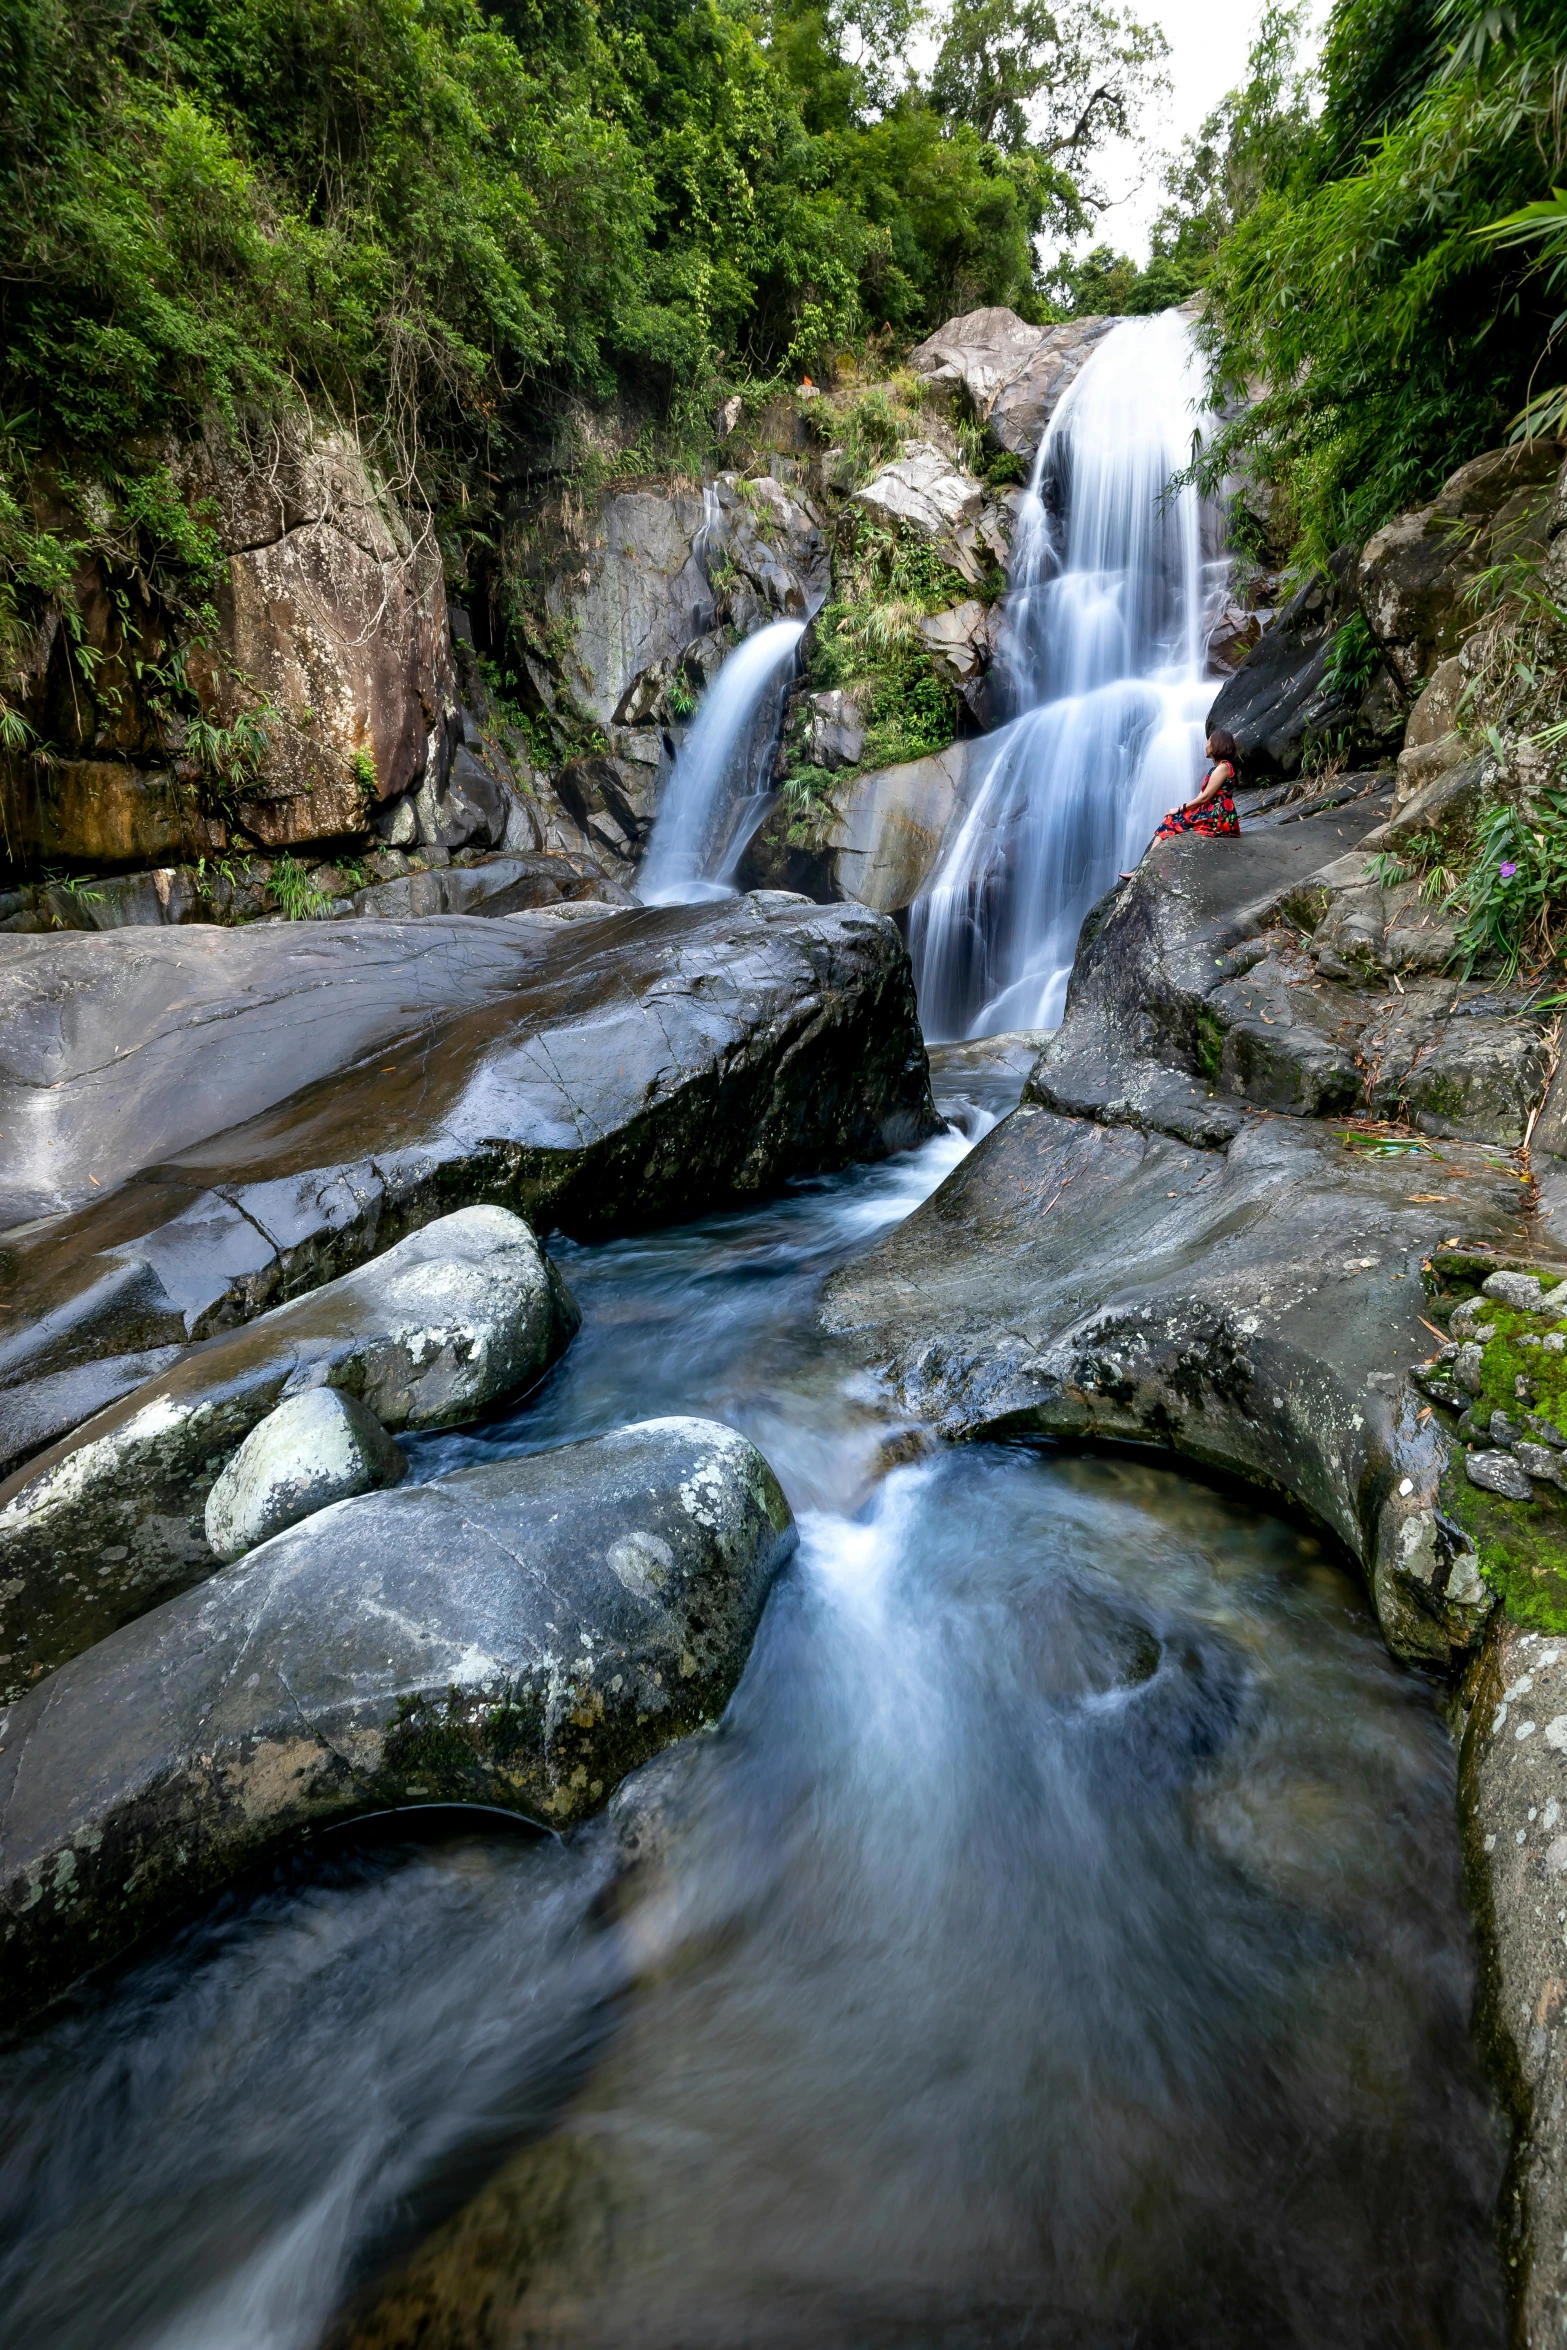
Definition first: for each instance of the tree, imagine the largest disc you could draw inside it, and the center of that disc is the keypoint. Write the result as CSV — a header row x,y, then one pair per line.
x,y
1057,79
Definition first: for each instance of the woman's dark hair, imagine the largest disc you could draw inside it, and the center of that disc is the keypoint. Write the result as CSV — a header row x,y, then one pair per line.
x,y
1224,747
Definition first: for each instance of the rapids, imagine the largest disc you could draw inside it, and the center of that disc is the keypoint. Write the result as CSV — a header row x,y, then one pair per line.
x,y
1060,1942
1105,627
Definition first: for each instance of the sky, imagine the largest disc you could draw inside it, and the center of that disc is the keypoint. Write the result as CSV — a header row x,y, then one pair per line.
x,y
1208,44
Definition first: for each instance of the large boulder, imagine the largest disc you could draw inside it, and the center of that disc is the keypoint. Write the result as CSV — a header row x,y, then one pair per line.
x,y
122,1050
887,828
928,494
1254,1308
1279,700
1010,375
296,1099
1413,574
111,1520
522,1635
334,613
973,356
1025,404
1177,1240
1282,972
636,593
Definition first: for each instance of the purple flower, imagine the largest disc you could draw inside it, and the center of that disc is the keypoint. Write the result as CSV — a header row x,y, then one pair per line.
x,y
1507,871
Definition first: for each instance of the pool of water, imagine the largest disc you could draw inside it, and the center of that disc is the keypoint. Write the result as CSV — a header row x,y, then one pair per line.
x,y
1060,1941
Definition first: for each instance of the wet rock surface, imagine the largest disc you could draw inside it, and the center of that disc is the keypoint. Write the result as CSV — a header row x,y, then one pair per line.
x,y
1170,1242
522,1635
334,1091
1251,1308
112,1519
314,1449
1279,697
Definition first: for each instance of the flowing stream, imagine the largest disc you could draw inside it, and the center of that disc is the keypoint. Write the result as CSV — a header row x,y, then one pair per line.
x,y
1103,656
1059,1943
722,777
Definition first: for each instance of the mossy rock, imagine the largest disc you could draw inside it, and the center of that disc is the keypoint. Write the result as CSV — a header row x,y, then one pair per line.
x,y
1522,1548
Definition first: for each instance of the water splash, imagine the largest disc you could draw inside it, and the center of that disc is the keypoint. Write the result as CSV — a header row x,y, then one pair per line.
x,y
1103,664
721,781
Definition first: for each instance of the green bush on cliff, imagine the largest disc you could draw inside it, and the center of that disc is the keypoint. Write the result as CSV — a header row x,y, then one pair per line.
x,y
1395,335
868,640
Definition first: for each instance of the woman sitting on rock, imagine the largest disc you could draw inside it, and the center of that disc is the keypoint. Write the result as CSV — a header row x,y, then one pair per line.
x,y
1213,810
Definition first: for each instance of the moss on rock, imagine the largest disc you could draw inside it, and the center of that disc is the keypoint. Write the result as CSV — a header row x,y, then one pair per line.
x,y
1522,1546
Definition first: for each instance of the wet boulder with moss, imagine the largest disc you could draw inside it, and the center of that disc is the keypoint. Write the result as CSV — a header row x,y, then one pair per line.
x,y
522,1635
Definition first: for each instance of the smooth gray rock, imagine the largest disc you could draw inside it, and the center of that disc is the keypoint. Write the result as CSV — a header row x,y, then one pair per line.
x,y
1176,1013
641,594
593,1074
1250,1308
314,1449
109,1521
34,1414
972,357
1513,1808
523,1634
927,494
1022,408
884,837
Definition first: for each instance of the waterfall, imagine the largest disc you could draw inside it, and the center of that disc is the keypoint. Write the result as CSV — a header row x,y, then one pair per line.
x,y
722,776
1103,658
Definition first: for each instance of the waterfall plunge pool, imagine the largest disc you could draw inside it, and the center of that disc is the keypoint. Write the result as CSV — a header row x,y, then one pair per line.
x,y
1060,1943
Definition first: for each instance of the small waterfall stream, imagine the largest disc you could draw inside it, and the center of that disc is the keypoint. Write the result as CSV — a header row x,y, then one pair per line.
x,y
1103,655
722,775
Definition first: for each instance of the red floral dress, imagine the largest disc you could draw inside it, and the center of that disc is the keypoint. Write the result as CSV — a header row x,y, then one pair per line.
x,y
1217,818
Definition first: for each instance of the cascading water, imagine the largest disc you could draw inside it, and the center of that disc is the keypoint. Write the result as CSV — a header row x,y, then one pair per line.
x,y
1103,660
1060,1943
721,777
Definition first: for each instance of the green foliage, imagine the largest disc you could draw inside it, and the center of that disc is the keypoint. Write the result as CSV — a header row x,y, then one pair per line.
x,y
441,221
1513,894
871,427
868,641
1354,659
296,894
1544,226
362,770
1372,281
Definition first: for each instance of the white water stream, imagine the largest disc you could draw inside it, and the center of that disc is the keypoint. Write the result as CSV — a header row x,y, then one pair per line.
x,y
1105,632
722,776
